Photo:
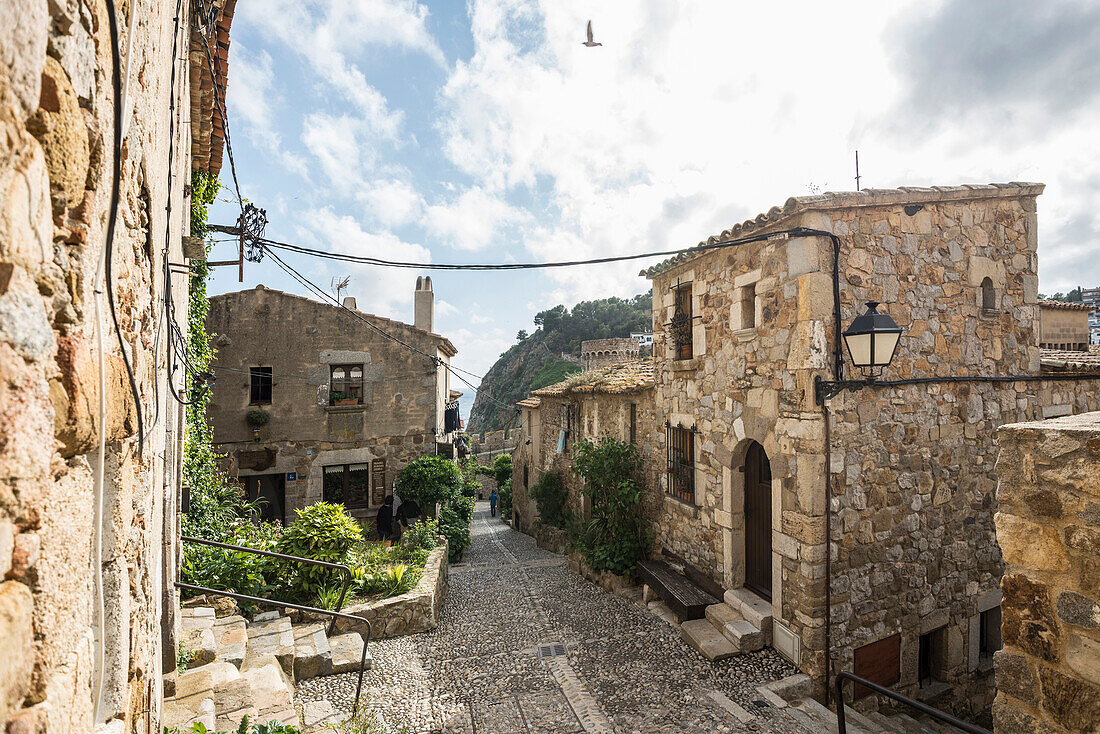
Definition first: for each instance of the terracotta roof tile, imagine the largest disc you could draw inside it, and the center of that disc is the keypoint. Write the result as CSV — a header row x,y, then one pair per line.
x,y
625,377
207,125
531,402
1064,305
1061,360
850,199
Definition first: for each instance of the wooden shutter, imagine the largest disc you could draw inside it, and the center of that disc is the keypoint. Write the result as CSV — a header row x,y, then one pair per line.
x,y
878,662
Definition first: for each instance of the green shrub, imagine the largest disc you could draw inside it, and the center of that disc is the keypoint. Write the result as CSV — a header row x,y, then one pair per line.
x,y
257,418
470,471
323,532
504,492
422,534
239,571
428,480
551,495
502,470
454,525
616,537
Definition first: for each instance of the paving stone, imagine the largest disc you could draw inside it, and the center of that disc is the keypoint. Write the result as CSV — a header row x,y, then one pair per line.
x,y
707,639
233,701
272,693
312,654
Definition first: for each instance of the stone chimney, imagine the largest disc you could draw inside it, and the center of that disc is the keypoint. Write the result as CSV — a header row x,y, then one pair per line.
x,y
424,304
349,302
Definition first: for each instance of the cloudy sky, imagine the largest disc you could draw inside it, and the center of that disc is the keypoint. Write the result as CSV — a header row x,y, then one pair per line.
x,y
485,131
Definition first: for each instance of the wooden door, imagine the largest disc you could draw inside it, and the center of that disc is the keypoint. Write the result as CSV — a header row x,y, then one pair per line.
x,y
758,522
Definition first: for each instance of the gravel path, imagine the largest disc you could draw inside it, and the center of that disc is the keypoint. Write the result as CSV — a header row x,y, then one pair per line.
x,y
622,669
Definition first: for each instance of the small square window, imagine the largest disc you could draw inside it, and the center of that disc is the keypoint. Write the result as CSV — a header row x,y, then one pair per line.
x,y
989,634
259,385
347,484
346,384
748,306
930,657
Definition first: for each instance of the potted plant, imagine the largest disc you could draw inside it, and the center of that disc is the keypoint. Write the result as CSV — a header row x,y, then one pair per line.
x,y
256,420
340,398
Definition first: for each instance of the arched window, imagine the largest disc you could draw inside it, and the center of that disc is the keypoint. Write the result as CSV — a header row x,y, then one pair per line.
x,y
989,296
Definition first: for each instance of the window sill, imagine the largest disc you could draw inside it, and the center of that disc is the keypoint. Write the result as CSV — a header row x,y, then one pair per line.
x,y
684,365
745,335
344,408
682,506
990,313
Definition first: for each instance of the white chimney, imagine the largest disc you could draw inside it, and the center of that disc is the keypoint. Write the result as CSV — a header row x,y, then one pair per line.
x,y
424,304
349,302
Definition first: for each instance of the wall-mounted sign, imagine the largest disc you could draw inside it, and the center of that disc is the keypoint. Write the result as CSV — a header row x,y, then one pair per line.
x,y
292,476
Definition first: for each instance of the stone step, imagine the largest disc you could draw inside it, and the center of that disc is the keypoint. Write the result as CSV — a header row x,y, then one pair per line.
x,y
231,638
886,723
312,653
753,609
197,635
272,634
743,636
347,653
821,716
272,693
233,700
194,695
853,717
662,610
909,724
707,639
722,614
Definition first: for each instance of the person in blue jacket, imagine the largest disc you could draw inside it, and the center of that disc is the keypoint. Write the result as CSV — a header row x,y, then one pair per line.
x,y
493,503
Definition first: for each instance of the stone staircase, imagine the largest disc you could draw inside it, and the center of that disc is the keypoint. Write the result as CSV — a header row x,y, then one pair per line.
x,y
741,623
241,668
793,695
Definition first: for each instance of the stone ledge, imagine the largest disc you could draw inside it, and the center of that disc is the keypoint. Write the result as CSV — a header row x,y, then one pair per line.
x,y
409,613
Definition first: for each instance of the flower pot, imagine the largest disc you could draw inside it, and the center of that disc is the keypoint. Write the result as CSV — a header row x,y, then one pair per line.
x,y
347,401
255,434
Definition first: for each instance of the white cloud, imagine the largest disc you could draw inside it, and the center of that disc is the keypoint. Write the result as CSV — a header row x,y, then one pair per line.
x,y
472,220
347,145
391,202
250,94
683,123
444,308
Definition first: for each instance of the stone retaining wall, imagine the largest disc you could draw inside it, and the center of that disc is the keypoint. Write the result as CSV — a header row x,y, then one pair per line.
x,y
1048,527
409,613
551,538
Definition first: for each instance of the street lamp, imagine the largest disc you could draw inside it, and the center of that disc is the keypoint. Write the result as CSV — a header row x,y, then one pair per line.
x,y
871,341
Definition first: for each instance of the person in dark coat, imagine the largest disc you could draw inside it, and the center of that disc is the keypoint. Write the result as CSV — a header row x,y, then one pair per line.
x,y
384,520
407,514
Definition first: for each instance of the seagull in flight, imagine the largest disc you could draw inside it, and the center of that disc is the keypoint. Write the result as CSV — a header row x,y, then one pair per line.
x,y
590,43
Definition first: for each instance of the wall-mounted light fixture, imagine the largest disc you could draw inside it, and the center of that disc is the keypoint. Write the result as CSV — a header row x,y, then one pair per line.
x,y
871,341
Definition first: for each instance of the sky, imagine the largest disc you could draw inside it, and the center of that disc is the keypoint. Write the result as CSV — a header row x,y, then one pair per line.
x,y
486,132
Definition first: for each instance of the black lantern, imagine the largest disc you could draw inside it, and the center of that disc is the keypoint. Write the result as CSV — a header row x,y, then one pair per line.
x,y
872,339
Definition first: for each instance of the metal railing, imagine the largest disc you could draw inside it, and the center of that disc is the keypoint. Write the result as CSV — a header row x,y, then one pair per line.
x,y
303,608
882,691
271,554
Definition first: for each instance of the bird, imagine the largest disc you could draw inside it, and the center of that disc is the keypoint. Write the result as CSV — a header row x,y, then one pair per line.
x,y
590,43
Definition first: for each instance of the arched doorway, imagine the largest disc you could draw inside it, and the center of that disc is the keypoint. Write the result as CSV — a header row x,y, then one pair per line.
x,y
758,522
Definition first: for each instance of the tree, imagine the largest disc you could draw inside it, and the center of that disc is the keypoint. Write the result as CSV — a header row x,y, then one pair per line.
x,y
521,335
502,469
428,480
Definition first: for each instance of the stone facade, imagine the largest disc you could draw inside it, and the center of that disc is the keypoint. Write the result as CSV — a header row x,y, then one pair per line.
x,y
398,417
1064,325
910,467
597,353
56,174
1048,528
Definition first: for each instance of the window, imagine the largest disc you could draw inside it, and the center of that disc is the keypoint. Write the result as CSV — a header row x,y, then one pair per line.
x,y
930,657
680,444
525,476
989,634
348,485
989,295
878,662
346,384
633,423
260,385
748,306
682,324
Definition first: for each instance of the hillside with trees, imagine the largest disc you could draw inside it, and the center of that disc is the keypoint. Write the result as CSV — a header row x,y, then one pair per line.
x,y
535,360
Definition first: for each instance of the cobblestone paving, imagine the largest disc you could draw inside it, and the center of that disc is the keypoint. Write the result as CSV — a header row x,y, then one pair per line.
x,y
622,670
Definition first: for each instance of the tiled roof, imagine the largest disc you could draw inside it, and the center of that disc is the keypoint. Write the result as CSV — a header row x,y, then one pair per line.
x,y
207,125
625,377
531,402
1064,305
1061,360
444,343
850,199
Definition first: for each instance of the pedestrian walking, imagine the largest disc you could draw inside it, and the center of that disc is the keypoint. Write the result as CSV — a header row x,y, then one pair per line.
x,y
493,503
407,514
384,520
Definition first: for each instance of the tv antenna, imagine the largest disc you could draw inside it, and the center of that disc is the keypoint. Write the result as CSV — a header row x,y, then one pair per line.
x,y
857,170
339,285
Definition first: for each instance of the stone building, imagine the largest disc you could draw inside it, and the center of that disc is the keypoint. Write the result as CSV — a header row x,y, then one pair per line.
x,y
1048,528
1064,325
897,480
614,401
88,514
597,353
346,405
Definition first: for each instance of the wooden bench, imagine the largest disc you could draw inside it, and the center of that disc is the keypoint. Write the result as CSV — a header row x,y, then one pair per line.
x,y
684,598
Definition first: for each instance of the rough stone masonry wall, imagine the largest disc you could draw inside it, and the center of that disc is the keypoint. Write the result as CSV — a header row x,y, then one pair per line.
x,y
1048,527
56,130
299,340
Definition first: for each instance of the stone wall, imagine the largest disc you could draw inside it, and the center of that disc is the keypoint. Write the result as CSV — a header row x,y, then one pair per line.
x,y
56,160
1063,326
1048,528
597,353
400,417
911,467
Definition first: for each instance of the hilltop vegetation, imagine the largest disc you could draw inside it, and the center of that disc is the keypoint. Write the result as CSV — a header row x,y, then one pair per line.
x,y
535,360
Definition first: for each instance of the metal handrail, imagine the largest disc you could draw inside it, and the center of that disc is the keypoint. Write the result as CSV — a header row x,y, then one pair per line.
x,y
917,705
271,554
303,608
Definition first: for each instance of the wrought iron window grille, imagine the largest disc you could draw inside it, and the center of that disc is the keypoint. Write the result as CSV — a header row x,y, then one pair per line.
x,y
680,455
682,325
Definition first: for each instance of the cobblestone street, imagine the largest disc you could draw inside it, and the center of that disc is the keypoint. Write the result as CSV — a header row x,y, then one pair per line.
x,y
623,669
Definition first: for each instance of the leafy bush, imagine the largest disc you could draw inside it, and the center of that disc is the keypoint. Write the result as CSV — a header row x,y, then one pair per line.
x,y
504,491
391,580
616,537
323,532
245,573
551,495
428,480
422,534
371,563
454,525
470,471
502,470
257,418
